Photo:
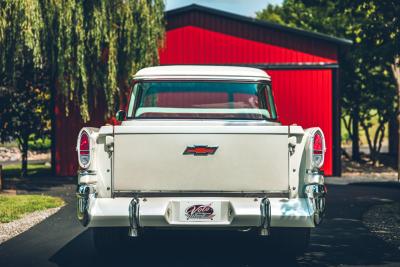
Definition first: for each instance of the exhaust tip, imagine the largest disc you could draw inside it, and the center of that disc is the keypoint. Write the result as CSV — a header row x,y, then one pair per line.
x,y
264,232
132,232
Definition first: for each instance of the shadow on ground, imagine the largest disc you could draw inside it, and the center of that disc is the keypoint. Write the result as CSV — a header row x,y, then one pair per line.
x,y
41,184
55,186
391,185
181,249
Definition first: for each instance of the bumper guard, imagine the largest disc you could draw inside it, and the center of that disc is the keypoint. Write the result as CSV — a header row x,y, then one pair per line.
x,y
133,217
84,194
317,195
265,208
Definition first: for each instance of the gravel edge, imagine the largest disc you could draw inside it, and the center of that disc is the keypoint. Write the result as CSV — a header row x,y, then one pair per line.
x,y
384,221
14,228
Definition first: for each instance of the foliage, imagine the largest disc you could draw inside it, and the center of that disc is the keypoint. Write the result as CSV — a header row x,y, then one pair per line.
x,y
377,31
81,47
24,94
315,15
39,144
14,207
368,90
75,50
381,32
346,139
23,112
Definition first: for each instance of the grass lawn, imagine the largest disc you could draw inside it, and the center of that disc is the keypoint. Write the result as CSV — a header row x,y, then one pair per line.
x,y
15,206
38,169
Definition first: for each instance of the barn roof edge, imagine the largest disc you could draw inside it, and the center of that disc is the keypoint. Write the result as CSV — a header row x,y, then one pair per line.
x,y
262,23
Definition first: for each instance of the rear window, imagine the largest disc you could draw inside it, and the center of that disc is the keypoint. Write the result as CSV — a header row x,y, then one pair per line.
x,y
202,100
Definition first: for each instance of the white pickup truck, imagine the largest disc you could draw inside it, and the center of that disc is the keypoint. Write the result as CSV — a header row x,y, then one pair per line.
x,y
201,147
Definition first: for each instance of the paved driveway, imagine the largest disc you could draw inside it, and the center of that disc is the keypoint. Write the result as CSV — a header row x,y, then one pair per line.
x,y
341,240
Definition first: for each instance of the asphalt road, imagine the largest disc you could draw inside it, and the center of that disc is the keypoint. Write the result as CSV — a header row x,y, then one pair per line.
x,y
341,240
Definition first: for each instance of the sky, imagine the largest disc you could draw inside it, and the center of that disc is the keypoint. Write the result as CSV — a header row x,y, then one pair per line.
x,y
241,7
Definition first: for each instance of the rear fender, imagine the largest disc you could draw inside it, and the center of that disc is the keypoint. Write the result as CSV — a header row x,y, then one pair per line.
x,y
99,171
300,156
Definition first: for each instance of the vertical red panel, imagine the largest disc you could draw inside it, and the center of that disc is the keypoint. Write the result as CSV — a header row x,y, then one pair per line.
x,y
67,129
304,97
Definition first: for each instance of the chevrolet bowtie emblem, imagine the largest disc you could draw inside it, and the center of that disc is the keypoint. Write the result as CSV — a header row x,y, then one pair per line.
x,y
200,150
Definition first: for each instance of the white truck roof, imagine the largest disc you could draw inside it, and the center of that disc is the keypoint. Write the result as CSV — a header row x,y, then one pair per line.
x,y
202,72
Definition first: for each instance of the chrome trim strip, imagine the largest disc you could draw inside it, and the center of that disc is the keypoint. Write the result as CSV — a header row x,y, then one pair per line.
x,y
86,172
138,194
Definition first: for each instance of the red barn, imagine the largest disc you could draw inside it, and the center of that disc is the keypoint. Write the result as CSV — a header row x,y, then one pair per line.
x,y
303,65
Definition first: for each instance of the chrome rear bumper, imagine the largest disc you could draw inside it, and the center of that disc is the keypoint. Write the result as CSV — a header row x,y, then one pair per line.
x,y
161,212
237,212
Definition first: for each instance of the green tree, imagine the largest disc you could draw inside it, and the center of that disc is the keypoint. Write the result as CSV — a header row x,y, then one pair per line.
x,y
327,17
100,44
23,112
383,33
81,49
81,46
24,91
367,85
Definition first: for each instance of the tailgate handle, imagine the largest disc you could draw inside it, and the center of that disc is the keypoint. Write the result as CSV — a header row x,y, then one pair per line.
x,y
110,143
292,144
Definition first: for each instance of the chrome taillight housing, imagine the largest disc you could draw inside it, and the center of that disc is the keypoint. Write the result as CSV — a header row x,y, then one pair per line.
x,y
84,149
317,148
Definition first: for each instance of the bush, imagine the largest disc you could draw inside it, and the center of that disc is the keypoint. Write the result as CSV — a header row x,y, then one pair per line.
x,y
40,144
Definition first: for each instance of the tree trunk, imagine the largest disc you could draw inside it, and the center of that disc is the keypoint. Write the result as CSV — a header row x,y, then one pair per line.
x,y
393,136
355,137
398,122
24,151
396,74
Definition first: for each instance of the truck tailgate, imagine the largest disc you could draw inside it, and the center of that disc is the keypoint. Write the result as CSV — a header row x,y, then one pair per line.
x,y
247,158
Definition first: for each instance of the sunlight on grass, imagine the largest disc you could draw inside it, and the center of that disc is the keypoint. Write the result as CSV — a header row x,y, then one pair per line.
x,y
14,170
14,207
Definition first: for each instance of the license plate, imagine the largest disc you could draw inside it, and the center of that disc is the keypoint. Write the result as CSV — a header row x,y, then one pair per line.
x,y
200,211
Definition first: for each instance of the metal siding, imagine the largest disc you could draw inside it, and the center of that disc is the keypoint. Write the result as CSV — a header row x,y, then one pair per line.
x,y
67,129
336,114
194,45
304,97
313,50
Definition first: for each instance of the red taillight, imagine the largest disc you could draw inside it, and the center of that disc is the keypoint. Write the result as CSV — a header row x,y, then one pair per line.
x,y
84,149
318,149
84,144
317,146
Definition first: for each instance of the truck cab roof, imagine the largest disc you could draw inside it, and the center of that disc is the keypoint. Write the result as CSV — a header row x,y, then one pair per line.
x,y
199,72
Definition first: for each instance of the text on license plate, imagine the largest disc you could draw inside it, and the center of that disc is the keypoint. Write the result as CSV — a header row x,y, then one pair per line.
x,y
200,211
